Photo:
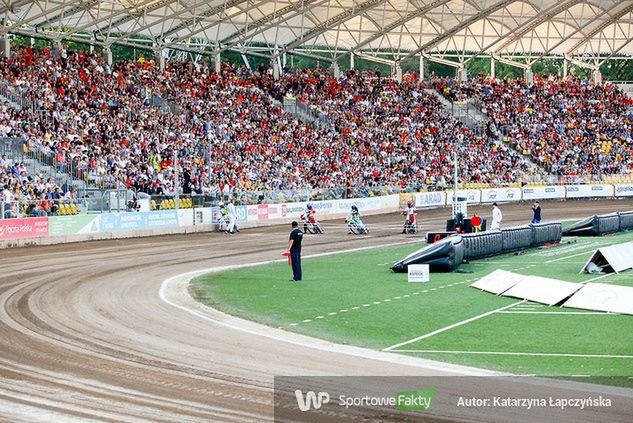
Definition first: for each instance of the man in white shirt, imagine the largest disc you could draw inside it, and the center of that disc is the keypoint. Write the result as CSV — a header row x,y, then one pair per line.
x,y
497,217
232,218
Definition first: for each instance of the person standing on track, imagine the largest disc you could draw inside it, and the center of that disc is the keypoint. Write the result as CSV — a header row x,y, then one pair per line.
x,y
294,249
232,217
497,217
536,209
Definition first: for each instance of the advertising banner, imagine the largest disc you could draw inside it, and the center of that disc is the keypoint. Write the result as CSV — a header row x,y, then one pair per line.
x,y
111,222
473,196
73,225
186,217
323,209
430,199
589,191
492,195
543,193
241,211
623,190
404,199
32,227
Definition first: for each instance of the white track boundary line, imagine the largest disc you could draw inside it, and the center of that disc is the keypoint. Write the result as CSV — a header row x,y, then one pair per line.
x,y
454,325
257,329
518,353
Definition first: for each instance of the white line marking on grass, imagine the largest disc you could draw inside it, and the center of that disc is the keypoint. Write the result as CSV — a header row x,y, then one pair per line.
x,y
376,302
454,325
406,296
307,320
554,312
387,300
598,277
366,305
567,257
433,289
517,353
355,308
332,313
396,298
294,324
319,317
343,310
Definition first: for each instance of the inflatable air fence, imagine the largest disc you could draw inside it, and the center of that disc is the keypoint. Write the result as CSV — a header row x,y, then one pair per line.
x,y
447,254
602,224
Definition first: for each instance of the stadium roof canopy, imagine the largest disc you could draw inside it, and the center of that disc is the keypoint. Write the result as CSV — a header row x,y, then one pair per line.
x,y
387,30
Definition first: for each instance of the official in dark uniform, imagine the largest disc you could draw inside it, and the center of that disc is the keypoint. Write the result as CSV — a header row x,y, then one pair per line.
x,y
294,248
536,209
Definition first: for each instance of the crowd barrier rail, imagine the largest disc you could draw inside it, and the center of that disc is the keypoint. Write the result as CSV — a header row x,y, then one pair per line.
x,y
197,213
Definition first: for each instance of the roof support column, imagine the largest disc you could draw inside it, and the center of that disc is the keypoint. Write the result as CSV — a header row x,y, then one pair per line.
x,y
596,75
273,64
5,46
217,62
529,76
351,60
336,70
492,67
107,55
58,49
421,67
565,66
462,75
159,59
398,73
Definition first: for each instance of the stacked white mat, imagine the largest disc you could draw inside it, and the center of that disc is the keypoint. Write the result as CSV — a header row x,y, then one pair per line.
x,y
614,258
590,296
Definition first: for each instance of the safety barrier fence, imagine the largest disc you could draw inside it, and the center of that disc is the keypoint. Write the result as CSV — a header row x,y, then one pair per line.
x,y
192,211
602,224
448,254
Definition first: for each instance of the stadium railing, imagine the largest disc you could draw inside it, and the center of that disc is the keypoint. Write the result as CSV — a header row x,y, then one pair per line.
x,y
39,208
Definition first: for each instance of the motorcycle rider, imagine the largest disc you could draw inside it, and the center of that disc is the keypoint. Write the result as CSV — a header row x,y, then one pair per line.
x,y
410,220
223,219
354,216
308,216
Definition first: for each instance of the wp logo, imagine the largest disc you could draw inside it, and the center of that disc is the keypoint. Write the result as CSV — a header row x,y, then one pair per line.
x,y
311,400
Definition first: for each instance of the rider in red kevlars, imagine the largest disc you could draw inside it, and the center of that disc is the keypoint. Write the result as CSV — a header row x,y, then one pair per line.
x,y
410,220
308,216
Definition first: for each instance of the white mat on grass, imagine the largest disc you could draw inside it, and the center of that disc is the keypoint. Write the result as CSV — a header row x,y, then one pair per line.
x,y
614,258
498,281
542,290
603,297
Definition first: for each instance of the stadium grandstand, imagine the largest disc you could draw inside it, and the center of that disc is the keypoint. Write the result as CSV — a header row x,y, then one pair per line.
x,y
450,181
310,95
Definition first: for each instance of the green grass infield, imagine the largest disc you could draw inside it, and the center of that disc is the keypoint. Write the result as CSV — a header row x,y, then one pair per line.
x,y
354,298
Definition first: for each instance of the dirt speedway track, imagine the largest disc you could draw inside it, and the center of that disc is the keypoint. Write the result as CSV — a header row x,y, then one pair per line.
x,y
84,333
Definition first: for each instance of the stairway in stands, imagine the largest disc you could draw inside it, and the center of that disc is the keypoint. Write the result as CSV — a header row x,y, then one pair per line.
x,y
471,116
34,162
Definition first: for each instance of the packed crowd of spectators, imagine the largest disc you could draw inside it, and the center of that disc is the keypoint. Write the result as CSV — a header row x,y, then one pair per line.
x,y
569,126
124,125
22,194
